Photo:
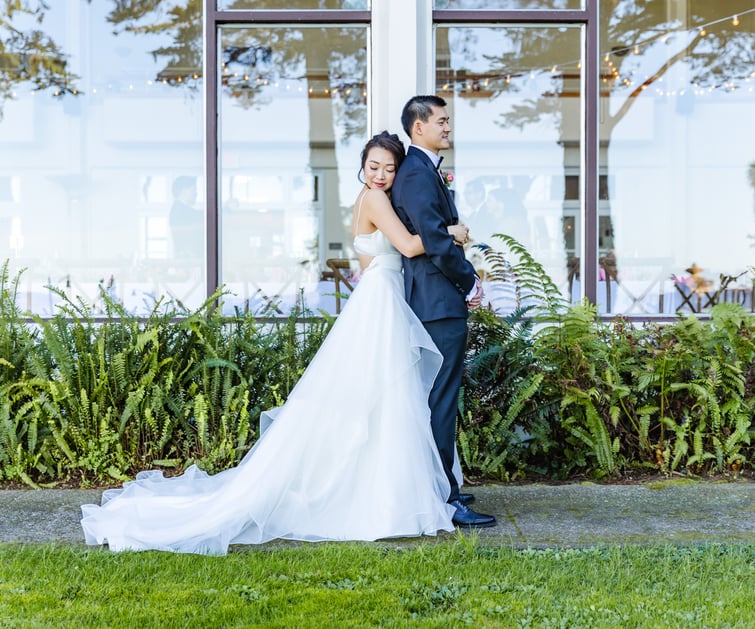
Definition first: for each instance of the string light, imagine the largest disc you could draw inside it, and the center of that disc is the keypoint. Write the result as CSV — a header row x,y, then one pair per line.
x,y
665,37
610,76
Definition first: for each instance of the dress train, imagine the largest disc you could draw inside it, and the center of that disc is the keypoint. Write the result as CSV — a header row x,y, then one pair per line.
x,y
349,456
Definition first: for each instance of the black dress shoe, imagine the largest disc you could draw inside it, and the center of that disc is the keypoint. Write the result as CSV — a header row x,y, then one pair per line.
x,y
469,519
466,499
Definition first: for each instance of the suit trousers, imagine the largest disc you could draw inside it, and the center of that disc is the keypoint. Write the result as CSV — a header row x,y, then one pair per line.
x,y
450,336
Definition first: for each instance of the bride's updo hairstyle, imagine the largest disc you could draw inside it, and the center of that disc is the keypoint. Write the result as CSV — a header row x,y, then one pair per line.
x,y
384,140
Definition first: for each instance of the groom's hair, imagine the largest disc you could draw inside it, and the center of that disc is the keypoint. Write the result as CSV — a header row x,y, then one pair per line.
x,y
419,108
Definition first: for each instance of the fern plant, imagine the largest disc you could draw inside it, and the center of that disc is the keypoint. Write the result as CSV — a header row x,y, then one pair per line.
x,y
504,416
498,403
698,383
17,340
531,282
575,352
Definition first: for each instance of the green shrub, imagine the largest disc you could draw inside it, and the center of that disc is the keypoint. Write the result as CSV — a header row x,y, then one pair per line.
x,y
552,389
549,389
97,399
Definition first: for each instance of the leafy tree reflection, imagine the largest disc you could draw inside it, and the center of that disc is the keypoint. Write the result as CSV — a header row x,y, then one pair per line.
x,y
714,43
29,55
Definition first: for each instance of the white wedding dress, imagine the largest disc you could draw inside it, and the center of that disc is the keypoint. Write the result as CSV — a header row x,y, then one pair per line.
x,y
350,456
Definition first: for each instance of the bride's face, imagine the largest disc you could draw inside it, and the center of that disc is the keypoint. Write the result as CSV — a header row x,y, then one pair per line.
x,y
379,169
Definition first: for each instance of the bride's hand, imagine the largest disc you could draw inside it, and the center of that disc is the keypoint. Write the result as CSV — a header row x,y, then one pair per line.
x,y
460,233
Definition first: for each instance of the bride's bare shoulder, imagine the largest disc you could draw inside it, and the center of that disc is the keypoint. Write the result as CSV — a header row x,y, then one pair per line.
x,y
377,197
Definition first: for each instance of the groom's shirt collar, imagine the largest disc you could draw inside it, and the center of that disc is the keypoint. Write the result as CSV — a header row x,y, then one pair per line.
x,y
434,157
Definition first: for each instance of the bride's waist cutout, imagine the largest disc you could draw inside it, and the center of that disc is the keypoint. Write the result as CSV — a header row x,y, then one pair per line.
x,y
390,261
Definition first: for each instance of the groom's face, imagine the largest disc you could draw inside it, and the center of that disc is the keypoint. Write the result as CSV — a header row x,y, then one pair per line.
x,y
433,134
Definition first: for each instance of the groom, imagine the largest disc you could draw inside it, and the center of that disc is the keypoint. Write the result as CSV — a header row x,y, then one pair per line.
x,y
441,285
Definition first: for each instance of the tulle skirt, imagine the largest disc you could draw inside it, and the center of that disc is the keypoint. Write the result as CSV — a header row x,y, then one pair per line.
x,y
349,456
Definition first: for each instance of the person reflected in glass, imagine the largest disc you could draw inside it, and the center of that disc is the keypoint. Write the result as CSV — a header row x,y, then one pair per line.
x,y
489,218
345,458
473,198
185,220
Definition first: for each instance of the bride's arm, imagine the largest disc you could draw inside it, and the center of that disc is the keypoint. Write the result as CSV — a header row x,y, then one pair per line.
x,y
381,214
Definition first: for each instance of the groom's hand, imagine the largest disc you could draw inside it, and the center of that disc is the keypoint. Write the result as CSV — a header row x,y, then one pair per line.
x,y
476,300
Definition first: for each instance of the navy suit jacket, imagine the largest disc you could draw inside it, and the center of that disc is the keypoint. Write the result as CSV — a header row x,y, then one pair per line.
x,y
437,282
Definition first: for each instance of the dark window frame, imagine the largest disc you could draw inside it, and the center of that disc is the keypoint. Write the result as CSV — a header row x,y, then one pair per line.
x,y
588,17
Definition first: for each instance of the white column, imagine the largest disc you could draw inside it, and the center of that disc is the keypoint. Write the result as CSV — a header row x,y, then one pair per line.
x,y
402,62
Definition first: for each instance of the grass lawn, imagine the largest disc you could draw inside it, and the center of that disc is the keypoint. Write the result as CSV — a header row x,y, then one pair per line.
x,y
427,583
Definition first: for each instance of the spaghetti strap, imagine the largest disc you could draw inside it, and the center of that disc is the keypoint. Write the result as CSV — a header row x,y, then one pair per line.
x,y
359,207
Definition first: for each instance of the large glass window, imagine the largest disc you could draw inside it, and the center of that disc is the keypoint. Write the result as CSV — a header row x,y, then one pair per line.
x,y
293,118
100,141
677,138
104,162
514,95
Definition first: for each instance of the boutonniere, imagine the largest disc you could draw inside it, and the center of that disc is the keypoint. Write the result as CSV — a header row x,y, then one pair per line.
x,y
447,177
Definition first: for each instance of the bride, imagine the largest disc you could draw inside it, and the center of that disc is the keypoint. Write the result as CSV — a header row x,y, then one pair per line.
x,y
358,463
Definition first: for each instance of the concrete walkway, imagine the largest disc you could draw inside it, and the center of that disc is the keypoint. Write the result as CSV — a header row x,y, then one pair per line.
x,y
536,516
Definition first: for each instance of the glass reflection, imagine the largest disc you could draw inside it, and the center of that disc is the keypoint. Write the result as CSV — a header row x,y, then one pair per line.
x,y
102,114
676,117
514,99
293,118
